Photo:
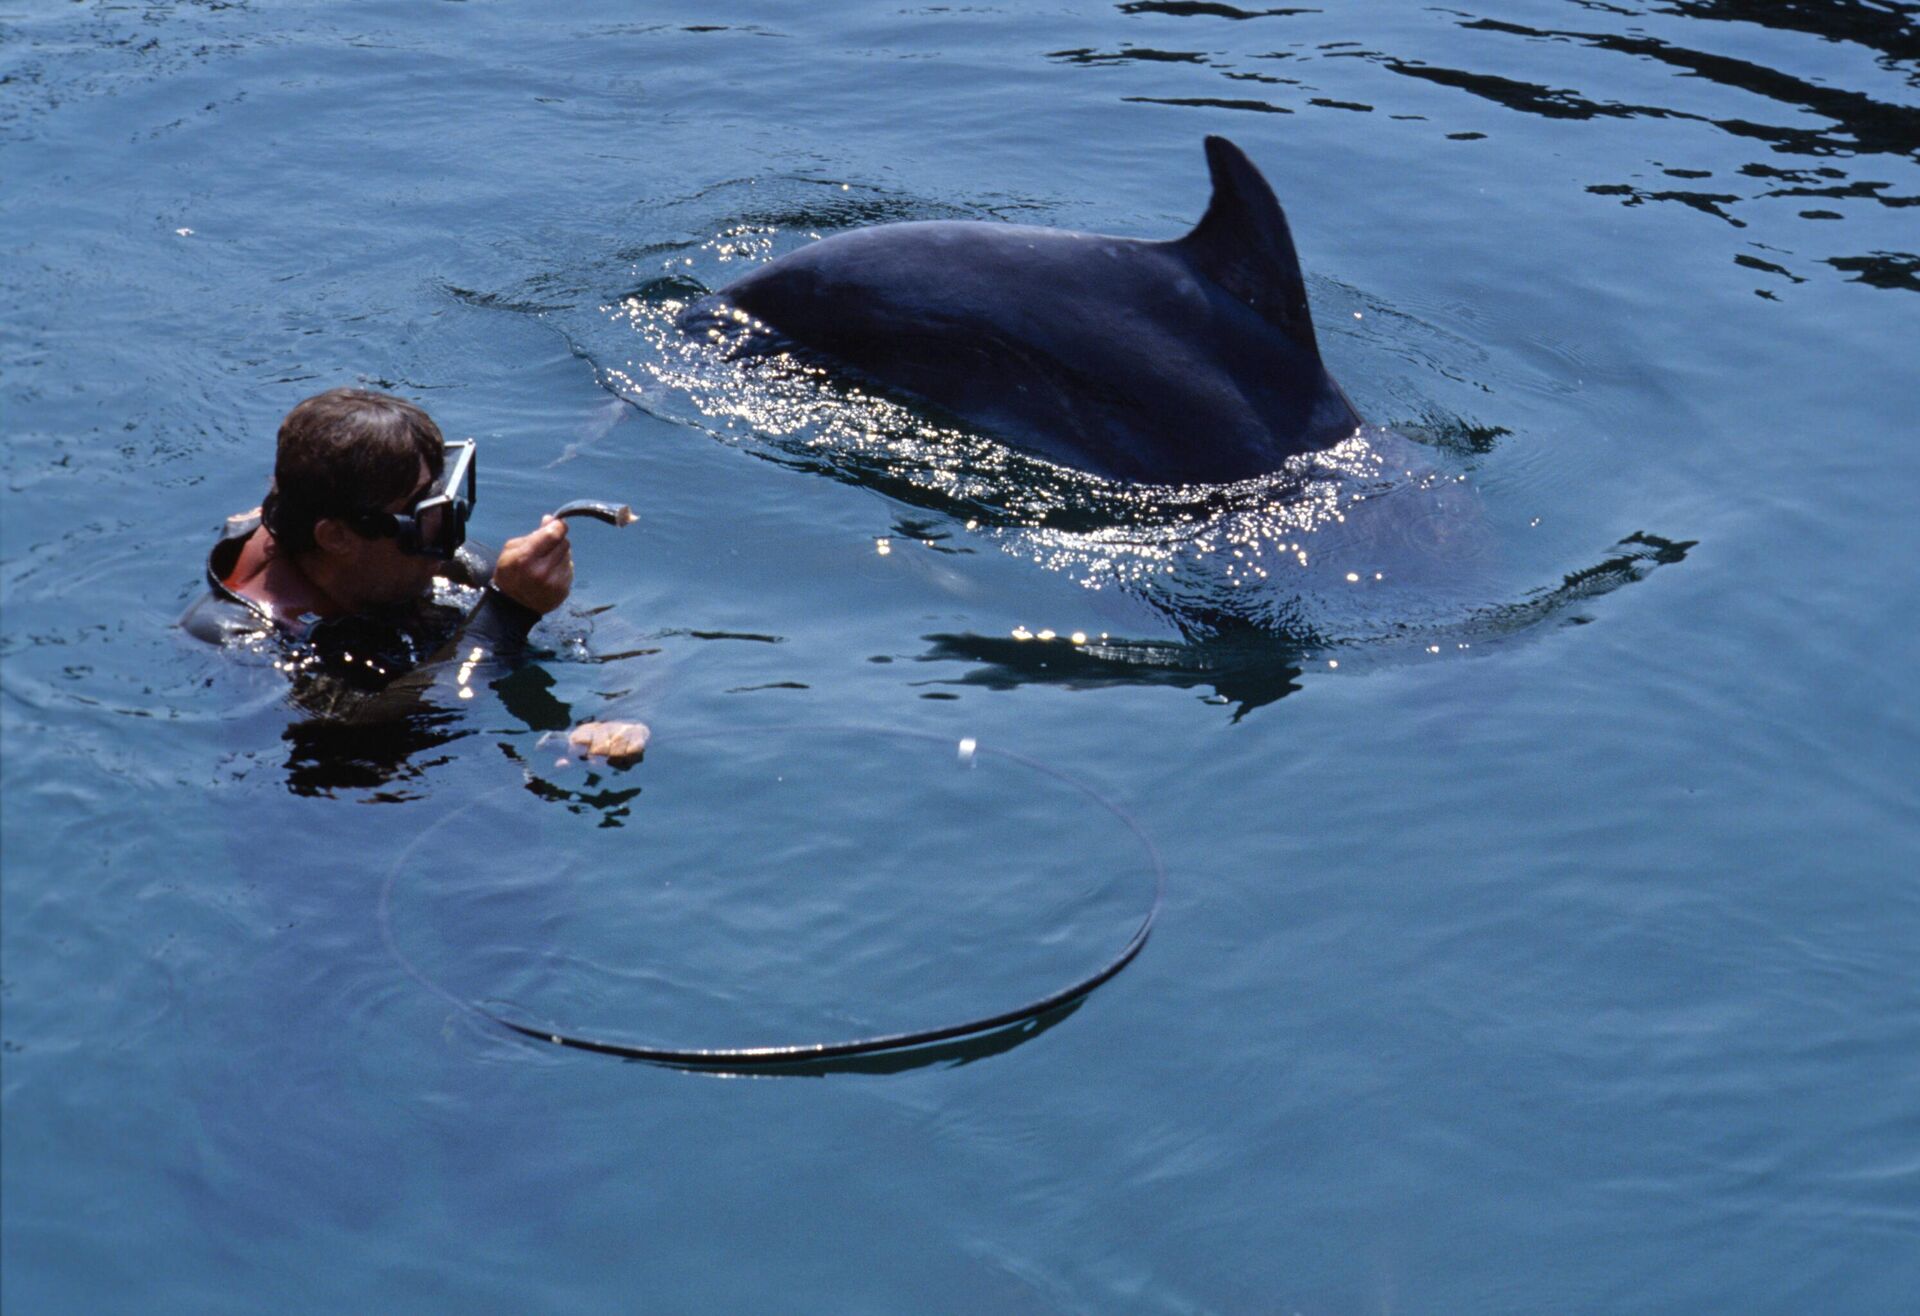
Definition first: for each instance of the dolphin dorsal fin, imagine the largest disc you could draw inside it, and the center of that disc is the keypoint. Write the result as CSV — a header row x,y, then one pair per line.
x,y
1243,244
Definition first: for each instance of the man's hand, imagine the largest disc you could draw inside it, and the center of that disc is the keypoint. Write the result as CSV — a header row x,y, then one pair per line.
x,y
619,743
536,570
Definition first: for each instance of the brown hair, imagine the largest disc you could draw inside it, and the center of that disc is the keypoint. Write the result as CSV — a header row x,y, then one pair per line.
x,y
344,452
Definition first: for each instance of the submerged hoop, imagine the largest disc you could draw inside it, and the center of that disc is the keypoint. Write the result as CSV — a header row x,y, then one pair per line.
x,y
797,1052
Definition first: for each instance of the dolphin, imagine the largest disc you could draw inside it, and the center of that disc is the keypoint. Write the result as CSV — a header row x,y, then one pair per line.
x,y
1166,362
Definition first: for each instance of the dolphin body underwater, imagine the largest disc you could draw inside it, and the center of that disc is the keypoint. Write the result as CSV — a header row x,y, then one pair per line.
x,y
1176,362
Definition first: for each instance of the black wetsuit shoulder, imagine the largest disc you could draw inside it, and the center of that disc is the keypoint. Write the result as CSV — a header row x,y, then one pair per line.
x,y
222,615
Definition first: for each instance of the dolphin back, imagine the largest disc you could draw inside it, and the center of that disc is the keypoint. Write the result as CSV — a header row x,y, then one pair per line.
x,y
1191,360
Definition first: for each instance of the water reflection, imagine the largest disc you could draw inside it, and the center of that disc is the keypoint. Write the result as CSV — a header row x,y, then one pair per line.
x,y
1883,269
1129,54
327,756
592,797
384,758
1886,26
1248,666
1821,118
1247,676
1862,123
1204,9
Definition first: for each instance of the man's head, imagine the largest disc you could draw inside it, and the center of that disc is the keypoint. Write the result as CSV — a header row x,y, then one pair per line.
x,y
343,456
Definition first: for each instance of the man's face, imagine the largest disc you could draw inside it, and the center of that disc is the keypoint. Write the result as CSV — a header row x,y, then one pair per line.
x,y
380,573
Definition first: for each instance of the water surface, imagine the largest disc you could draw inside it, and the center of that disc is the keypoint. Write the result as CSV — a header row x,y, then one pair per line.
x,y
1541,913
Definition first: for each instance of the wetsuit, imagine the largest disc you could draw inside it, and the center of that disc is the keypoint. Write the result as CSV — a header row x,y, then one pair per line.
x,y
371,666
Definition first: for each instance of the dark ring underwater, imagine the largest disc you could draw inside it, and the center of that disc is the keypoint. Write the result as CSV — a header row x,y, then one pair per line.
x,y
788,1053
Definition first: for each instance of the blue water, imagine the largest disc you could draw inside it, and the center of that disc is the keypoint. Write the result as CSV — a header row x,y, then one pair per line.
x,y
1542,915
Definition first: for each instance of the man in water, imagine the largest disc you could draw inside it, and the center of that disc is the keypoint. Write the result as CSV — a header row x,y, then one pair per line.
x,y
355,559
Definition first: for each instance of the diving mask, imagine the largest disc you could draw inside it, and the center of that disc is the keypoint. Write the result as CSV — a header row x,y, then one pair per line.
x,y
436,524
